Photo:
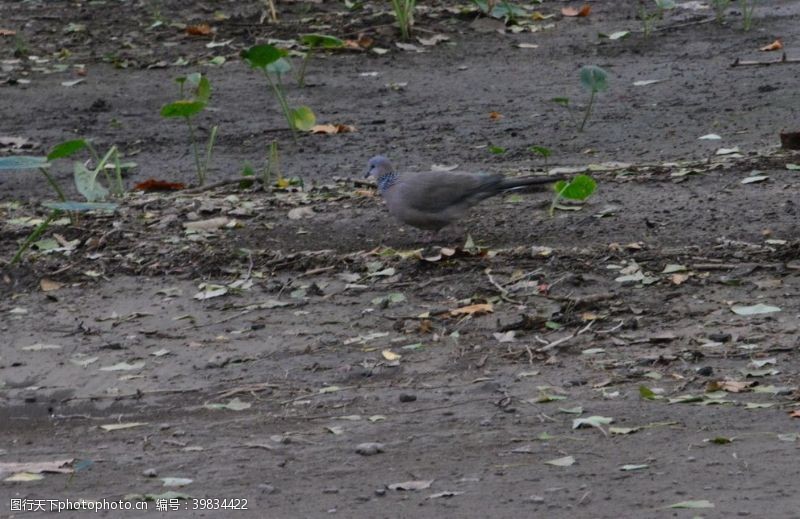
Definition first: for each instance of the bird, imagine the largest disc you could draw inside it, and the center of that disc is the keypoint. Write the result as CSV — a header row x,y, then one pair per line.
x,y
433,200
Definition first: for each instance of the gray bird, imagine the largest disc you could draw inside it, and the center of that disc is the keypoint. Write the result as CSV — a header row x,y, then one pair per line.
x,y
435,199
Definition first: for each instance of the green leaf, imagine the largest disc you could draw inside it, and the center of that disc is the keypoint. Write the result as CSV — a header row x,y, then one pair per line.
x,y
593,78
200,85
665,4
259,56
22,162
579,188
541,151
563,101
66,149
497,150
303,118
183,108
633,467
592,421
87,184
81,206
321,40
647,393
279,67
702,503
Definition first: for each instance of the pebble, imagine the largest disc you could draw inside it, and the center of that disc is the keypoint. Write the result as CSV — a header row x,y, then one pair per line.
x,y
369,448
705,371
407,397
150,473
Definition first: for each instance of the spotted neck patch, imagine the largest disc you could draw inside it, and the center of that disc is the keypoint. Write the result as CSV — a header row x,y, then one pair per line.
x,y
386,181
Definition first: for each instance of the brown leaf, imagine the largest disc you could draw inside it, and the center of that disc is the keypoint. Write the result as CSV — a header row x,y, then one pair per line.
x,y
362,43
495,116
331,129
7,32
678,278
48,285
476,309
152,184
775,45
730,386
795,413
202,29
573,11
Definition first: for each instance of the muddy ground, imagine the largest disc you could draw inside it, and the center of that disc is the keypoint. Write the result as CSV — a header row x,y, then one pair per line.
x,y
332,327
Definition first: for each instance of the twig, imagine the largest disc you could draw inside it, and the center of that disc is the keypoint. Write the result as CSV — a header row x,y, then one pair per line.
x,y
503,291
783,61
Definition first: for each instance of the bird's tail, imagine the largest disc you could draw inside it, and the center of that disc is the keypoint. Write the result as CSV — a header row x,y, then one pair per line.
x,y
516,183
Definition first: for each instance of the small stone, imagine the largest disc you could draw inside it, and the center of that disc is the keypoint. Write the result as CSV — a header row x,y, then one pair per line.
x,y
150,473
331,490
705,371
407,397
720,337
218,360
380,492
266,488
535,499
164,426
369,448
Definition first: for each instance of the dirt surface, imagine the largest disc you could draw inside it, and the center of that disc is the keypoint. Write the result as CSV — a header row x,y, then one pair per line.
x,y
468,365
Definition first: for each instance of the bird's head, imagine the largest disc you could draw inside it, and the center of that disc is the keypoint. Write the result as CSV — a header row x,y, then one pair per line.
x,y
378,166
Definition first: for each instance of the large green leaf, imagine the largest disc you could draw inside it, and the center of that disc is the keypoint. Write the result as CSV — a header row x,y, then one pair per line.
x,y
87,184
321,40
183,108
594,78
259,56
81,206
22,162
579,188
303,118
66,149
201,86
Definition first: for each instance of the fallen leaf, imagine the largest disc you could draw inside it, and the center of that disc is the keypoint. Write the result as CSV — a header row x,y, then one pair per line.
x,y
754,309
574,11
795,413
645,82
709,137
775,45
124,366
48,285
211,224
411,485
152,184
495,116
566,461
476,309
40,347
592,421
678,279
730,386
702,503
633,467
300,212
7,32
527,46
233,405
390,355
433,39
202,29
23,476
72,83
362,43
446,493
176,482
332,129
119,426
35,467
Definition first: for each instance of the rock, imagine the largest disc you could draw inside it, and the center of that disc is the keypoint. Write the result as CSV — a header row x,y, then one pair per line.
x,y
218,360
150,473
705,371
407,397
369,448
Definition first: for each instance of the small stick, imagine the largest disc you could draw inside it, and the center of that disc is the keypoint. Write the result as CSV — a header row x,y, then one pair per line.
x,y
783,61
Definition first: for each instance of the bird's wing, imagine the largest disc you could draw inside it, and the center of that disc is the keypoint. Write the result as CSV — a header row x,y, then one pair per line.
x,y
437,191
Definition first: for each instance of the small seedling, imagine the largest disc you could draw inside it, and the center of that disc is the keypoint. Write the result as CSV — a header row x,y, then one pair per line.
x,y
649,17
747,7
594,79
579,188
271,61
542,152
720,6
404,13
496,150
272,167
313,42
188,108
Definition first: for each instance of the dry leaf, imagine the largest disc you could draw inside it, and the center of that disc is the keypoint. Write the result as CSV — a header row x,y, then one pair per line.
x,y
390,355
775,45
362,43
795,413
202,29
7,32
572,11
331,129
477,309
678,278
36,467
152,184
730,386
495,116
48,285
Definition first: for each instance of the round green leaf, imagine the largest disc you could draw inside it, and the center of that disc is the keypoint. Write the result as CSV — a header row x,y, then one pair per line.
x,y
321,40
579,188
303,118
279,67
15,162
183,108
541,150
593,78
66,148
259,56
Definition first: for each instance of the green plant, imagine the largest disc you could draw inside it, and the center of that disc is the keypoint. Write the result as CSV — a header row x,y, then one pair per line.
x,y
313,42
404,12
271,61
649,17
720,6
272,166
542,152
594,79
579,188
747,7
187,108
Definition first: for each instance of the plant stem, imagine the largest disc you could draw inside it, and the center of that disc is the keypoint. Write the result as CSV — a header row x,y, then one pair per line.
x,y
556,200
588,111
35,235
120,190
276,87
301,79
54,184
209,150
200,176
